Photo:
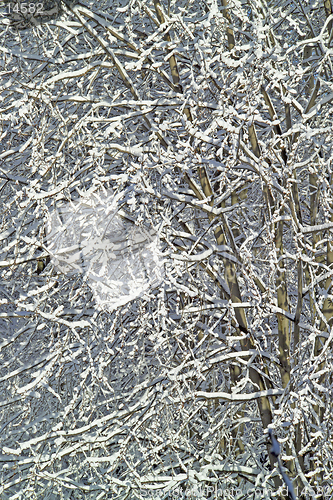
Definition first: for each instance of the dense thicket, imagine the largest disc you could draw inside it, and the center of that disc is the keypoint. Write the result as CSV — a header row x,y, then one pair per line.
x,y
211,121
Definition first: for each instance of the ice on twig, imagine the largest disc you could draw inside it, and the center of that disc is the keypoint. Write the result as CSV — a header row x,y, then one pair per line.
x,y
119,259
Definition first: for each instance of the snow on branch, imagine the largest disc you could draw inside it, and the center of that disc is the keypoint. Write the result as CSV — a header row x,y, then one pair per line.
x,y
238,397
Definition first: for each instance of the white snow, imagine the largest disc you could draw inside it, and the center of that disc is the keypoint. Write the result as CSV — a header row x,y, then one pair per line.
x,y
120,261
